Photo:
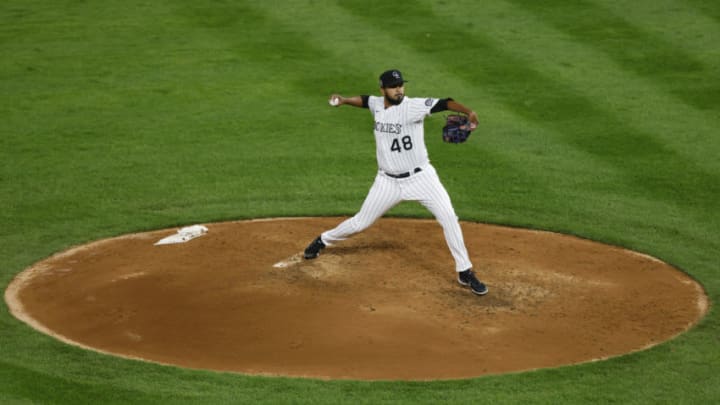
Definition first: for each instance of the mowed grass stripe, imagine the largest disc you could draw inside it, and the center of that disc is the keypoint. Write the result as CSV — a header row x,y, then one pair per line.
x,y
650,167
688,133
205,162
709,8
639,51
49,387
632,98
687,29
676,22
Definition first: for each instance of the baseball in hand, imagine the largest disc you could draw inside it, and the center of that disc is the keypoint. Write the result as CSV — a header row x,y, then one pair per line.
x,y
334,101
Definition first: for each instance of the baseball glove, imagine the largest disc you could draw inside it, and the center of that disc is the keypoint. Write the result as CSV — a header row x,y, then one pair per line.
x,y
457,128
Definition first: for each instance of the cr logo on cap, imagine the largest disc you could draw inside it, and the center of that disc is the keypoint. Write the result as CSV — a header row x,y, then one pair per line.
x,y
391,78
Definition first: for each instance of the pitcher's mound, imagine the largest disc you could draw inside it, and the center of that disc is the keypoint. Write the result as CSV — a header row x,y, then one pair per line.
x,y
382,305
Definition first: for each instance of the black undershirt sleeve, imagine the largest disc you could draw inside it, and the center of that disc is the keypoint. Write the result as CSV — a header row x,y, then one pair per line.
x,y
440,106
365,101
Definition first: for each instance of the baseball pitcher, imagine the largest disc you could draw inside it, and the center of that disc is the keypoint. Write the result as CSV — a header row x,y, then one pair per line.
x,y
404,169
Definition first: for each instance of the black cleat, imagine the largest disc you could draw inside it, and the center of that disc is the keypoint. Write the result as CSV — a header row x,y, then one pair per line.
x,y
313,249
467,277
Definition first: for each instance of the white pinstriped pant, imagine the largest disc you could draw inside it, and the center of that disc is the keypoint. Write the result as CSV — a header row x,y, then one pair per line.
x,y
386,192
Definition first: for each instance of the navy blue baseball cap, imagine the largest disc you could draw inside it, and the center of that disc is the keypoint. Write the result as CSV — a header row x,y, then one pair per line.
x,y
391,78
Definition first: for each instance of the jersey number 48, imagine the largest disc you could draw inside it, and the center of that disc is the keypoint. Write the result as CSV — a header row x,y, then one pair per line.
x,y
406,144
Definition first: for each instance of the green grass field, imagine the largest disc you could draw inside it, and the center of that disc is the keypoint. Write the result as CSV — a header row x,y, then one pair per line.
x,y
598,118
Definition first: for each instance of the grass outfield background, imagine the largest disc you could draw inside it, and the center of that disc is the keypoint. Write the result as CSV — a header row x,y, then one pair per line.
x,y
598,118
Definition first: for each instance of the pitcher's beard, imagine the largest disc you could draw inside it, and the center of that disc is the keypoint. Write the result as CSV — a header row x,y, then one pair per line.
x,y
395,101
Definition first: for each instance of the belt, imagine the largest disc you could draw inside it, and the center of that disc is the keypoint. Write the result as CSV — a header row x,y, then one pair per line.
x,y
403,175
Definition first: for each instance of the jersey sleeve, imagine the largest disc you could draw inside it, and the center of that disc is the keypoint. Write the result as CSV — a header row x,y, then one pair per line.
x,y
441,105
420,108
374,103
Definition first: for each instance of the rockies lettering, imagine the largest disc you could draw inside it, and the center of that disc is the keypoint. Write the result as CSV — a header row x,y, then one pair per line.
x,y
389,128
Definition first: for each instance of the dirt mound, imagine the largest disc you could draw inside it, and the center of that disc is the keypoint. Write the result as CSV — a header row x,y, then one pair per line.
x,y
382,305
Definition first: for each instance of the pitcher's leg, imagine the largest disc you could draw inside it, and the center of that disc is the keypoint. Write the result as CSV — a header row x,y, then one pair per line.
x,y
436,199
383,195
453,235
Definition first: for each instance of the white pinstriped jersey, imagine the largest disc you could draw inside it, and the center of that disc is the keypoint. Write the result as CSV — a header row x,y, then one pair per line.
x,y
400,133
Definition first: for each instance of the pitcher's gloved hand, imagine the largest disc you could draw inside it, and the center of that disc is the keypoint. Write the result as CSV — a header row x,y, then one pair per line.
x,y
457,128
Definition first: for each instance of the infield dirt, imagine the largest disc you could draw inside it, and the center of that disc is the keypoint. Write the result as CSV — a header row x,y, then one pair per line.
x,y
384,305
